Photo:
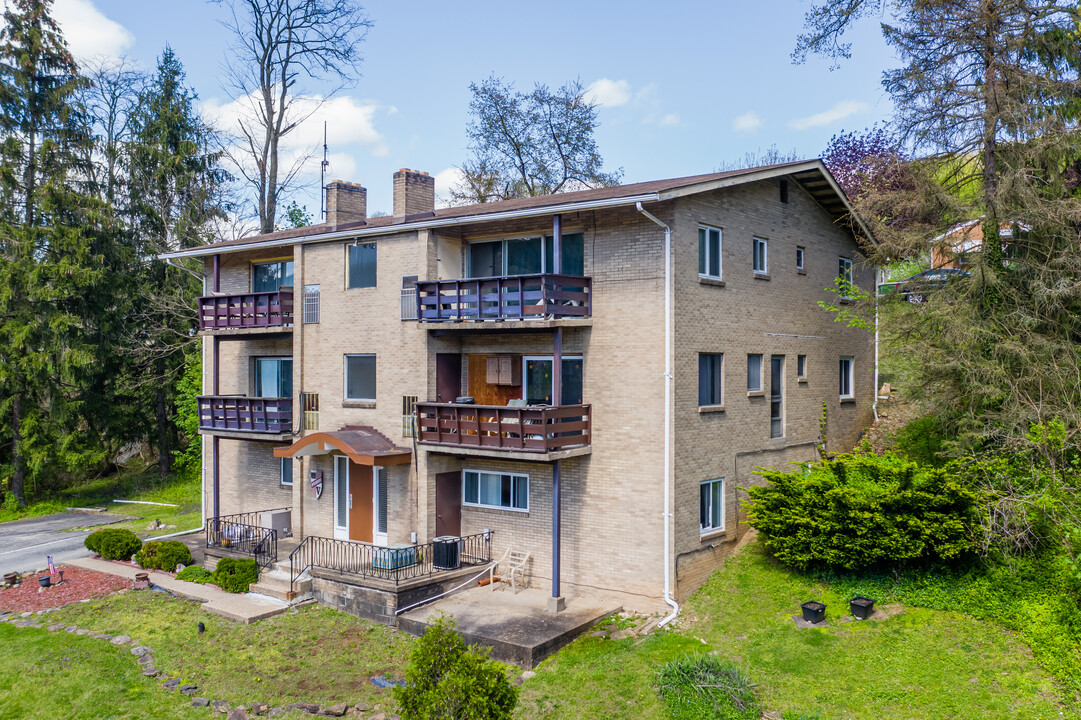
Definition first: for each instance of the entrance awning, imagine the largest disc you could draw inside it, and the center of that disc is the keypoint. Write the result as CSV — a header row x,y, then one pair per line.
x,y
361,444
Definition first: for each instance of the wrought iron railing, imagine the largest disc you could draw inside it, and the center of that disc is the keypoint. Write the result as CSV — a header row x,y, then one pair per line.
x,y
391,564
539,429
246,310
245,533
237,412
511,297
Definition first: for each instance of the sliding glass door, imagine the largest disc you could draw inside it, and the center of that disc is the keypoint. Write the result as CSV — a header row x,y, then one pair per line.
x,y
537,387
273,377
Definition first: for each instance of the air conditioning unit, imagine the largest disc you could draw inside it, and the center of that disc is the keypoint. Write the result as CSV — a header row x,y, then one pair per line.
x,y
447,552
280,520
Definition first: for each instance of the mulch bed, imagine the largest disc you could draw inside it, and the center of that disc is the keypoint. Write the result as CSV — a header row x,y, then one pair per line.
x,y
79,584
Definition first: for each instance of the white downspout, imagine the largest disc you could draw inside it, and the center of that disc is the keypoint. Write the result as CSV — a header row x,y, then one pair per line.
x,y
667,417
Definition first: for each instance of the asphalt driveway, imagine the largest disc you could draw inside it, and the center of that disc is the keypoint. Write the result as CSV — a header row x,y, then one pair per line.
x,y
25,543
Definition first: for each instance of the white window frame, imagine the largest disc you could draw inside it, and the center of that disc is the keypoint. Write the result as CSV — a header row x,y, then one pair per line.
x,y
380,491
764,244
310,306
345,377
720,253
711,529
525,371
846,375
341,475
478,504
776,395
285,463
844,272
759,356
801,256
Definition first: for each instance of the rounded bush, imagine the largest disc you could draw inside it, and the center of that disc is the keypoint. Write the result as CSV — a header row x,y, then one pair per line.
x,y
195,574
163,555
234,575
113,543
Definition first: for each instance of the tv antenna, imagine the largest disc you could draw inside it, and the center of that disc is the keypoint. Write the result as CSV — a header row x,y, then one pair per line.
x,y
323,175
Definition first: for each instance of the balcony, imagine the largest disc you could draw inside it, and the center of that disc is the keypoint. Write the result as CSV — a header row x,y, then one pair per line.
x,y
258,310
229,414
533,432
544,297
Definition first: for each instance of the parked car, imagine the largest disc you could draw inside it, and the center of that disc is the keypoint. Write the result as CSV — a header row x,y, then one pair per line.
x,y
915,288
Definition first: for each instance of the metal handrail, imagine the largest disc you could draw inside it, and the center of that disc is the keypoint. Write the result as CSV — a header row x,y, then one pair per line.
x,y
390,564
244,532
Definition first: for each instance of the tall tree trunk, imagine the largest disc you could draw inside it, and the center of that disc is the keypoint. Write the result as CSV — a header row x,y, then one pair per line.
x,y
18,474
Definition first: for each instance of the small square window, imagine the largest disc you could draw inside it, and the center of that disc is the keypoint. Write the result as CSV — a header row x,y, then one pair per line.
x,y
801,367
361,266
360,377
754,373
846,377
760,264
711,506
799,257
710,379
709,252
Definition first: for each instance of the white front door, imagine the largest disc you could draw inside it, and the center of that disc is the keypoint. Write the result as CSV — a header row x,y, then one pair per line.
x,y
379,502
343,499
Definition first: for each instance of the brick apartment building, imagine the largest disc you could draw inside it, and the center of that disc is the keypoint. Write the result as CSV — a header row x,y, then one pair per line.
x,y
386,381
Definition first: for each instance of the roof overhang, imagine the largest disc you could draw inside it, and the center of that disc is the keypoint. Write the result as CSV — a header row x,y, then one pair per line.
x,y
811,175
361,444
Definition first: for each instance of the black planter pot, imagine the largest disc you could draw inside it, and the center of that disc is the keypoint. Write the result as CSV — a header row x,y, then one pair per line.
x,y
861,607
45,580
813,612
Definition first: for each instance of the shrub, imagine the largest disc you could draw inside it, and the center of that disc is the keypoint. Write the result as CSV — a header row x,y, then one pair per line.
x,y
113,543
703,687
195,574
447,679
234,575
163,555
863,511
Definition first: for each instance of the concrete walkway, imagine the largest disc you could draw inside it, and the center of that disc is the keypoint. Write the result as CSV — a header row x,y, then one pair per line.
x,y
242,607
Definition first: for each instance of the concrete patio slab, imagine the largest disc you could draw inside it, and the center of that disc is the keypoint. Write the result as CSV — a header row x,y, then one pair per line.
x,y
245,608
517,627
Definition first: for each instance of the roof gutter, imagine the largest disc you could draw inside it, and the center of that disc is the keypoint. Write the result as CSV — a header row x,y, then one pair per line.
x,y
417,225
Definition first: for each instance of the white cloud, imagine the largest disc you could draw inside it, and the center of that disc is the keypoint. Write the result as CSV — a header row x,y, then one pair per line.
x,y
445,180
89,33
840,111
669,120
609,93
747,122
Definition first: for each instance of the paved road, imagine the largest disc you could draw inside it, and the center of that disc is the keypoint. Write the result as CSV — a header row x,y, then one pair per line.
x,y
25,543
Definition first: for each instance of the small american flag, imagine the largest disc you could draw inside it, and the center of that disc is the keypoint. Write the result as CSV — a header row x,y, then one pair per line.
x,y
52,568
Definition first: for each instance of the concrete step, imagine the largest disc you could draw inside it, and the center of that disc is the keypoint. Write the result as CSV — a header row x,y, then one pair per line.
x,y
275,584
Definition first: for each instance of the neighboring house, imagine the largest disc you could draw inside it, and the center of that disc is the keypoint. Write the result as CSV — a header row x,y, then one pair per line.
x,y
957,247
497,372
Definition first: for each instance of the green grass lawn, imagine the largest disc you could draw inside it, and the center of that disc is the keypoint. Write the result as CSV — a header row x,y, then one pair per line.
x,y
131,484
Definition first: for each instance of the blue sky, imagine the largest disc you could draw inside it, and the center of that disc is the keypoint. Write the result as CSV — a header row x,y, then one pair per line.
x,y
683,86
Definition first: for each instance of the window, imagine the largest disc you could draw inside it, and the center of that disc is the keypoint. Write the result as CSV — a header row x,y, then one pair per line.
x,y
286,474
526,256
360,377
271,276
784,190
711,506
709,252
760,267
537,386
846,377
362,265
709,379
309,405
844,274
754,373
495,490
799,257
801,367
273,377
776,396
311,303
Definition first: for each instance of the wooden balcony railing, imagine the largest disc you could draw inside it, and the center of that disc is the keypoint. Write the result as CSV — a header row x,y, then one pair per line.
x,y
247,310
500,298
536,429
273,416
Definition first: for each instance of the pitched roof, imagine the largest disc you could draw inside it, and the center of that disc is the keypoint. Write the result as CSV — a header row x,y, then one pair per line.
x,y
812,175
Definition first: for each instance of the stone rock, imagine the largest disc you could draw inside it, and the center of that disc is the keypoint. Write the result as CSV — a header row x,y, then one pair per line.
x,y
311,708
378,716
188,689
26,614
106,636
120,640
237,713
334,710
598,634
528,674
275,712
140,650
200,701
517,682
71,628
171,684
361,707
146,659
82,631
220,706
153,526
395,717
56,626
259,708
21,623
151,671
132,641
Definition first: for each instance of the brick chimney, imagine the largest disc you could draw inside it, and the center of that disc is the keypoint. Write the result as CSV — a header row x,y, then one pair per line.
x,y
346,203
414,192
